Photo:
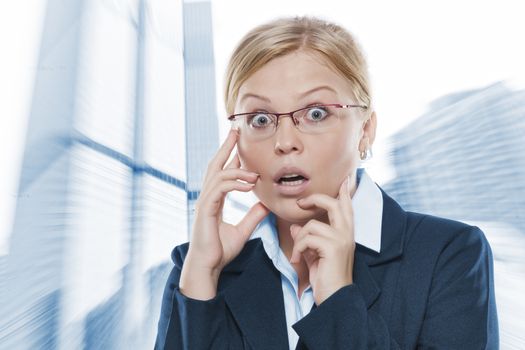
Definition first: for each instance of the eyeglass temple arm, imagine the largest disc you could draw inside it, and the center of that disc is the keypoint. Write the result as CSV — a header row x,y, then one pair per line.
x,y
350,106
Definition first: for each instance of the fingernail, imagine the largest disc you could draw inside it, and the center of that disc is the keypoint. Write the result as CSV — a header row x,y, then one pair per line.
x,y
299,201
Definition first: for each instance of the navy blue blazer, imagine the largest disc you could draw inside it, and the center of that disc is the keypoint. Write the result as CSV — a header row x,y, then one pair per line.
x,y
431,287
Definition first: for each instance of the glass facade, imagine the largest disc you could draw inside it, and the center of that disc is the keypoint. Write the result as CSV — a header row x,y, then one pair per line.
x,y
124,97
465,159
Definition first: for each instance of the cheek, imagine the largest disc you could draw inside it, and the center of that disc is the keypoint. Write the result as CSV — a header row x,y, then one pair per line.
x,y
254,157
336,149
250,159
335,156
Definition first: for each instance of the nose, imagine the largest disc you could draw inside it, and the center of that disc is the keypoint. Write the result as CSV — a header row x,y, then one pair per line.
x,y
287,138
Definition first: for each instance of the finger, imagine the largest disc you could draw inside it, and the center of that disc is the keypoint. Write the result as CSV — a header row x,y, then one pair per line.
x,y
310,257
344,189
230,174
323,201
235,162
232,185
212,200
224,152
294,229
234,174
314,243
345,201
252,219
237,174
313,227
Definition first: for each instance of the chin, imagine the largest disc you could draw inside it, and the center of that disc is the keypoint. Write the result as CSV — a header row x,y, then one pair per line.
x,y
291,212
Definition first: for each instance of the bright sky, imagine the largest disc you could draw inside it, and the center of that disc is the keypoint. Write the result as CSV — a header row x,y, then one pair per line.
x,y
417,51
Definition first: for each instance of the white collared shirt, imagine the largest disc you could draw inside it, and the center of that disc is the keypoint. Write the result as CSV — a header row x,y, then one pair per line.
x,y
367,204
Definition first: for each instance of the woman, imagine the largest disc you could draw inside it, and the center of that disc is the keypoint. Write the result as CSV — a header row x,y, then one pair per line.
x,y
326,259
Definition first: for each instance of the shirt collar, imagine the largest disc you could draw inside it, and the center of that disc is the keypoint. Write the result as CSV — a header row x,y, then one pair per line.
x,y
367,204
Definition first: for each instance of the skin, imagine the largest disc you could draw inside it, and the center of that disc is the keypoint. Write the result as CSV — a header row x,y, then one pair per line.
x,y
316,227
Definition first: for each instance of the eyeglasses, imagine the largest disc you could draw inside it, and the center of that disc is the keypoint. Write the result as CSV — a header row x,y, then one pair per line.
x,y
314,119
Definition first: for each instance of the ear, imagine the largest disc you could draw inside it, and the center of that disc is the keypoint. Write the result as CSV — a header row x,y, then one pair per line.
x,y
369,132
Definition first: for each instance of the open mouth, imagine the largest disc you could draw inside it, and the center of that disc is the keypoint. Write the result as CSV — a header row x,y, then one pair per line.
x,y
292,180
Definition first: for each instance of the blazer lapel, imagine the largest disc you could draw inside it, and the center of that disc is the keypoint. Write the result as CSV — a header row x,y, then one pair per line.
x,y
364,279
255,299
393,227
393,232
253,292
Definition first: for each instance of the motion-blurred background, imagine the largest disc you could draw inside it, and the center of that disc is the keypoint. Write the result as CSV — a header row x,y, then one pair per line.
x,y
111,109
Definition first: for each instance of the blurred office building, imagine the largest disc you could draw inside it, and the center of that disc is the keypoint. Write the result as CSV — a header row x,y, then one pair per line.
x,y
465,158
121,128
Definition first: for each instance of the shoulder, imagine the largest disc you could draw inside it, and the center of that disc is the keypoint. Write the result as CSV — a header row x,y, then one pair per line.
x,y
439,229
426,236
445,239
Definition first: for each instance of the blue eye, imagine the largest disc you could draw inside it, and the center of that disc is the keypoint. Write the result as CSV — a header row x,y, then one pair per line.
x,y
316,113
259,120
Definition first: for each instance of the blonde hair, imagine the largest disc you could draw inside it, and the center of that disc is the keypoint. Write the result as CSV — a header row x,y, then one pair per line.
x,y
285,35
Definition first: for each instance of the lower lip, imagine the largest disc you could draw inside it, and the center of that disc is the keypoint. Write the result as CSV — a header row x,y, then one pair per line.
x,y
291,190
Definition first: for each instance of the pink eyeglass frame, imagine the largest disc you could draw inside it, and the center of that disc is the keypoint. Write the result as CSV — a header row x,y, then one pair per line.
x,y
278,115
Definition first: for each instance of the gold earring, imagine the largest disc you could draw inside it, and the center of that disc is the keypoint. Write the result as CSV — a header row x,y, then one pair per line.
x,y
366,154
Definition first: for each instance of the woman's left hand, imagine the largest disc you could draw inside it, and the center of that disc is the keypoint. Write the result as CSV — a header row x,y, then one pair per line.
x,y
328,250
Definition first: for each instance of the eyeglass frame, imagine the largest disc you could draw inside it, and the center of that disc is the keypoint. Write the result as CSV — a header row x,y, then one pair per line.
x,y
232,117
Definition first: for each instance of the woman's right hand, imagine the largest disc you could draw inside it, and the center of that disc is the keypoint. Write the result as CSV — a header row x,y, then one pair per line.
x,y
214,243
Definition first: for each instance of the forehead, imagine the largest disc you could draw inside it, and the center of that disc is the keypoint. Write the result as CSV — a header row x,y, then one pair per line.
x,y
295,76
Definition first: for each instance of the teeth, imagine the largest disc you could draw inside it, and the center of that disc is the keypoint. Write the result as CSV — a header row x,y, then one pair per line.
x,y
291,175
292,183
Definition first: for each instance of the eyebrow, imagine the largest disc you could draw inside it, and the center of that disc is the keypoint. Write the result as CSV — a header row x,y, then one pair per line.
x,y
255,96
323,87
